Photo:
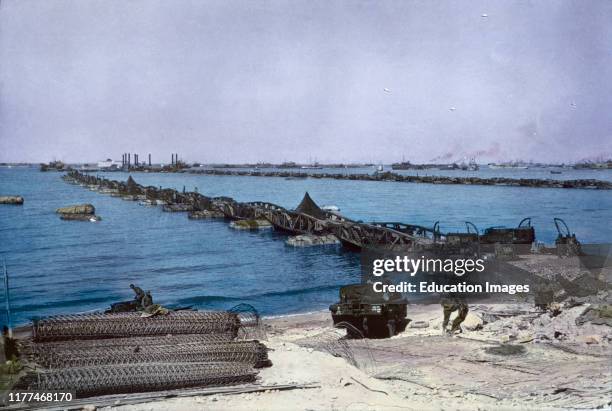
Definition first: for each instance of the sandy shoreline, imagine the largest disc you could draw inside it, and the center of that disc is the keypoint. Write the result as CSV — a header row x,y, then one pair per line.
x,y
423,369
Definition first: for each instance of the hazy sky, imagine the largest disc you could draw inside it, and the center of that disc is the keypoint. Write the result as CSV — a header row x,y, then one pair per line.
x,y
238,81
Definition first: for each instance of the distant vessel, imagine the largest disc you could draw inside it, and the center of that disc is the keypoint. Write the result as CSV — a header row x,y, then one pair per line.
x,y
471,166
404,165
453,166
314,166
109,164
516,166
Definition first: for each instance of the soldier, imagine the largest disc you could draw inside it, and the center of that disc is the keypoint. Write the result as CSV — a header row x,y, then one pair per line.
x,y
147,300
139,293
449,305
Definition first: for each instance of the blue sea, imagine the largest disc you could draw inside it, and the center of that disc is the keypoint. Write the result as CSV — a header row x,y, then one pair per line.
x,y
60,266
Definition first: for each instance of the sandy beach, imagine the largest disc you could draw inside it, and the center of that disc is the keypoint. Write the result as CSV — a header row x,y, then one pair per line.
x,y
423,369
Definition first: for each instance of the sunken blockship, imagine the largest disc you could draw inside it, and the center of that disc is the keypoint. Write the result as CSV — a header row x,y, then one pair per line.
x,y
388,176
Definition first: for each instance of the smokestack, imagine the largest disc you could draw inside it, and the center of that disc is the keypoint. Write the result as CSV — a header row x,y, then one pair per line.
x,y
129,159
149,159
136,160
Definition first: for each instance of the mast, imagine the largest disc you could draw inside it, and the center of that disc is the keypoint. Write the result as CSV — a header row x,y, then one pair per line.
x,y
8,303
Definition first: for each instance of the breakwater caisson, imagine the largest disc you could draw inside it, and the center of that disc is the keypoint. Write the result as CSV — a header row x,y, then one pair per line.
x,y
388,176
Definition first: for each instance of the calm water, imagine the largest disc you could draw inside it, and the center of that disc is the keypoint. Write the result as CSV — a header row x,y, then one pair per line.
x,y
65,266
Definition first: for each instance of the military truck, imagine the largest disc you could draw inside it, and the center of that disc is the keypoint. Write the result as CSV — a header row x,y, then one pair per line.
x,y
372,314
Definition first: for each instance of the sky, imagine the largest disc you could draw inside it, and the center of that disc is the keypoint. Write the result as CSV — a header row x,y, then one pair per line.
x,y
296,80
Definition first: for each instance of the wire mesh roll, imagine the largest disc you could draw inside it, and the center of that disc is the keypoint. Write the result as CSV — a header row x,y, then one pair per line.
x,y
253,353
30,347
133,378
98,325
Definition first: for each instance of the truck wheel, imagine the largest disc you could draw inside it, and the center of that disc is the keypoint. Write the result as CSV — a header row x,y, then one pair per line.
x,y
391,328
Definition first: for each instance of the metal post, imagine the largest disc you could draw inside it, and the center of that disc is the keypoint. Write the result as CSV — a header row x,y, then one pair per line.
x,y
8,301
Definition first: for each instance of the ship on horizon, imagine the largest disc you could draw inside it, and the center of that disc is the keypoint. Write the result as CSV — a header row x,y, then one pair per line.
x,y
516,165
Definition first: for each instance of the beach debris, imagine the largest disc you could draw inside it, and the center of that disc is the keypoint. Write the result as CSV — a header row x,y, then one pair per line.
x,y
506,349
582,286
419,324
12,200
597,314
472,322
368,388
309,240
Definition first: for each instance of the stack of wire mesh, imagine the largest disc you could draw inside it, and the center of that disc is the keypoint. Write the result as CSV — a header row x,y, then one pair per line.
x,y
98,354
